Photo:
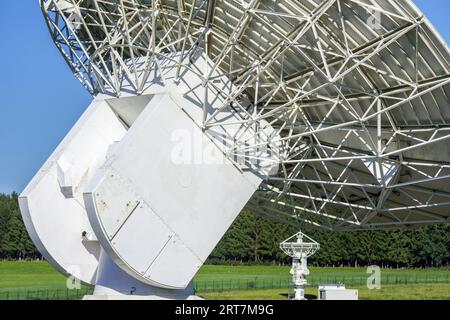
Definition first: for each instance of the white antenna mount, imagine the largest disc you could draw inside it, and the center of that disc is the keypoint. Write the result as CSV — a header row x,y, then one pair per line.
x,y
299,247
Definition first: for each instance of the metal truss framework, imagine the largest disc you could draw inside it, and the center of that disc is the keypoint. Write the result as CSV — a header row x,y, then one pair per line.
x,y
357,90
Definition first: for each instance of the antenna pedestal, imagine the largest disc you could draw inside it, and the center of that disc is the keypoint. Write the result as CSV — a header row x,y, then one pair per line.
x,y
113,283
299,272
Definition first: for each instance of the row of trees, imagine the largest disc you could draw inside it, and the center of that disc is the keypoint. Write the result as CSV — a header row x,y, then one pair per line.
x,y
14,240
253,239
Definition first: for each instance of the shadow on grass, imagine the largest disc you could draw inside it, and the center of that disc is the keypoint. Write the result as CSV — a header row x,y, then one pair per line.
x,y
307,296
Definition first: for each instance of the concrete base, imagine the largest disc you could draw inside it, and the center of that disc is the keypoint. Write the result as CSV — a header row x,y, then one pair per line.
x,y
113,283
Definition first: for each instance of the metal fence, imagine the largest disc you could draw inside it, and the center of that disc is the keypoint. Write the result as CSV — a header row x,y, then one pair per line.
x,y
257,283
46,294
314,281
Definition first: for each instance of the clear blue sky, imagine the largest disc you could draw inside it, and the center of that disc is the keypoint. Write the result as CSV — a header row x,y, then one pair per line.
x,y
40,98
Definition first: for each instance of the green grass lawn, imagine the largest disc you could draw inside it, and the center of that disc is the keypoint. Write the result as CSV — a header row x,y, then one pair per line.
x,y
390,292
242,277
28,276
209,272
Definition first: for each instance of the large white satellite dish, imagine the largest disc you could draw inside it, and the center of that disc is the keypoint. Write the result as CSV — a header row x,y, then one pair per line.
x,y
333,113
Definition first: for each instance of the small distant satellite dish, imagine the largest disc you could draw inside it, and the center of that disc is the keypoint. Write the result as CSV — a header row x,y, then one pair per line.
x,y
299,247
332,114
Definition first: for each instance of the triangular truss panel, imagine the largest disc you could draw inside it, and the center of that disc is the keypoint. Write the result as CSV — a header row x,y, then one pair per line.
x,y
358,92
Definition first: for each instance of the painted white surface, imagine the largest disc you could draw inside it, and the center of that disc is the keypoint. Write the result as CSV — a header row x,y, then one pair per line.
x,y
182,210
113,283
337,292
114,179
56,218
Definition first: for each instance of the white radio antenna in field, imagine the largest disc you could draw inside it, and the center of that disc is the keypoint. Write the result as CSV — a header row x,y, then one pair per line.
x,y
334,114
299,247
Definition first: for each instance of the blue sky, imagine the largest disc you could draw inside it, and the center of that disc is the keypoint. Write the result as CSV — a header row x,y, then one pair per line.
x,y
41,99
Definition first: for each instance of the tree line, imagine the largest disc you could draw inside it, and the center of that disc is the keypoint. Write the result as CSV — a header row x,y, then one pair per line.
x,y
14,240
254,239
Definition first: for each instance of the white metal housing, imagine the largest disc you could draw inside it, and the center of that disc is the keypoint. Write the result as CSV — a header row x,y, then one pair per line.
x,y
336,292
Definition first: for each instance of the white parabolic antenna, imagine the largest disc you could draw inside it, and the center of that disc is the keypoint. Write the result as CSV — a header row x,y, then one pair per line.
x,y
332,113
299,247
